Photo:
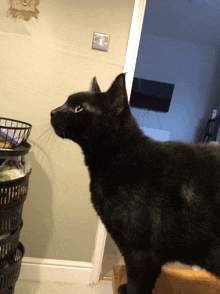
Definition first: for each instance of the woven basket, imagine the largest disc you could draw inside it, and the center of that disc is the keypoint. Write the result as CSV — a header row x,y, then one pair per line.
x,y
9,275
13,192
9,243
13,132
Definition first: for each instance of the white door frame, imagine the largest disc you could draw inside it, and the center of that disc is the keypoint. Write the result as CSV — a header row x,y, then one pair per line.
x,y
133,42
129,68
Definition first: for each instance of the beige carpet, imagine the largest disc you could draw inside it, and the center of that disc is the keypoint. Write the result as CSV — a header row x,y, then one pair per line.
x,y
29,287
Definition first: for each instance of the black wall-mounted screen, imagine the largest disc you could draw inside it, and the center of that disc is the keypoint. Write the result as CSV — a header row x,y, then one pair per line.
x,y
151,95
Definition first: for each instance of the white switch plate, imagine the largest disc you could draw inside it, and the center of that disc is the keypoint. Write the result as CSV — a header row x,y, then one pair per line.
x,y
100,42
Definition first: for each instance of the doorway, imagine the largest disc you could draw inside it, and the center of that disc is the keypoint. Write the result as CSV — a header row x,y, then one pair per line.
x,y
171,50
179,45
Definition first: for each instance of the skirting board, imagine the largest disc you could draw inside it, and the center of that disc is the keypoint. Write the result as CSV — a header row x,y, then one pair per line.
x,y
50,270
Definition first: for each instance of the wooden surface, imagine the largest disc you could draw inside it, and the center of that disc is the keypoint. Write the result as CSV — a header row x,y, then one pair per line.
x,y
119,277
175,281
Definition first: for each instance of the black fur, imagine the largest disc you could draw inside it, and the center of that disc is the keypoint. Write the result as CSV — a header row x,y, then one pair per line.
x,y
159,201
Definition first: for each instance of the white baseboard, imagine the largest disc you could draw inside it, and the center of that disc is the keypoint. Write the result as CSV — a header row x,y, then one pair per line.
x,y
50,270
67,271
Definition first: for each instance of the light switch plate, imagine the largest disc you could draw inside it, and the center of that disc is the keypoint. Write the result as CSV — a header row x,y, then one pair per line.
x,y
100,42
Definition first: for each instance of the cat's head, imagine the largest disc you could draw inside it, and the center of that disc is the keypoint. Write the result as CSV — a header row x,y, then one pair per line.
x,y
87,116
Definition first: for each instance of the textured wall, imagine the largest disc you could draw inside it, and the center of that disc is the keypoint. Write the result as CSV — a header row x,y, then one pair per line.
x,y
42,62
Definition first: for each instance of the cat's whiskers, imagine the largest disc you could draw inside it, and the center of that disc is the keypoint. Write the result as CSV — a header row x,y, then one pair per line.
x,y
48,135
46,132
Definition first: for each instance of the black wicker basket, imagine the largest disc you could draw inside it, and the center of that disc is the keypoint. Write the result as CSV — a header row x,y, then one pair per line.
x,y
10,219
13,192
9,243
9,275
12,196
13,132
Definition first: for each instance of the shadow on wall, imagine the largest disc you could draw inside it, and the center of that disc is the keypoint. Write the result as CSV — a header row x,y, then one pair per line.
x,y
212,102
200,130
112,256
37,215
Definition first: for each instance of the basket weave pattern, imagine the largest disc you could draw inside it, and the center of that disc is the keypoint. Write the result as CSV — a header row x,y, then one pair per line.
x,y
13,133
13,137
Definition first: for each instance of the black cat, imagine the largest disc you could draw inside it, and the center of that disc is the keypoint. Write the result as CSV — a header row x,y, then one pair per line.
x,y
159,201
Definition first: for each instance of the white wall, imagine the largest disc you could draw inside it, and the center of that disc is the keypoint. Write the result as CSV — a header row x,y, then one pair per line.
x,y
194,70
42,62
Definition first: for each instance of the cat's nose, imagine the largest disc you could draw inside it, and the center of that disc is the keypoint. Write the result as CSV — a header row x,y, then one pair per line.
x,y
52,113
58,110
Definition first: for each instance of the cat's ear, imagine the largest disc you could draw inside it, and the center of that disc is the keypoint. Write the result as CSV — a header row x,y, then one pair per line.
x,y
118,94
95,86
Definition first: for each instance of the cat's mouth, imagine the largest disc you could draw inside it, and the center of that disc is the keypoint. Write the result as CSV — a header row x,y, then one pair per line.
x,y
60,133
59,130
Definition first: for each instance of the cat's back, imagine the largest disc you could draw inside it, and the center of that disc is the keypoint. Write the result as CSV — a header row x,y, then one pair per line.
x,y
152,166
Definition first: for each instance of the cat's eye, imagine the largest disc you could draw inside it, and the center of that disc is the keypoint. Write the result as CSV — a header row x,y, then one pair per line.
x,y
77,109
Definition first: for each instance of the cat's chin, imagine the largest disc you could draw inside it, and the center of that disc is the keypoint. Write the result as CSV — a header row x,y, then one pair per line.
x,y
60,133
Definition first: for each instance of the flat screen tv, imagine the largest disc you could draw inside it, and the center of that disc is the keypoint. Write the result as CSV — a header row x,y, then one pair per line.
x,y
151,95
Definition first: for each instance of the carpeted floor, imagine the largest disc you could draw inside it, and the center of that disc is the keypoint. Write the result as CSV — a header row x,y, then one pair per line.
x,y
31,287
